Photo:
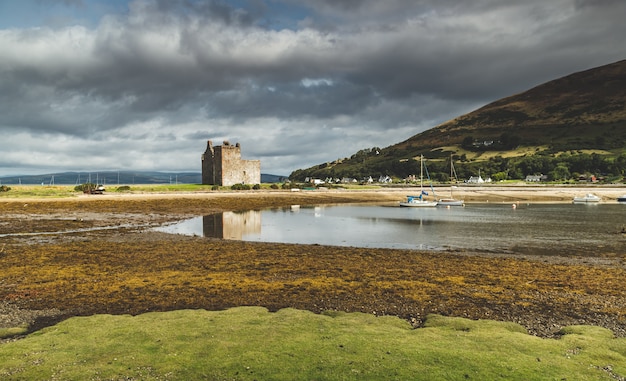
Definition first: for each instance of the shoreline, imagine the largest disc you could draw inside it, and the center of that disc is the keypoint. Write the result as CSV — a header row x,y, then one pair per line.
x,y
468,193
127,269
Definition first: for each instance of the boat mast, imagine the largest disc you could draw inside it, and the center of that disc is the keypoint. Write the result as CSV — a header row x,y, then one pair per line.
x,y
421,174
451,169
452,175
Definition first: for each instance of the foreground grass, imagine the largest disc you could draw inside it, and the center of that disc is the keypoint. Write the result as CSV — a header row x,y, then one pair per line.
x,y
250,343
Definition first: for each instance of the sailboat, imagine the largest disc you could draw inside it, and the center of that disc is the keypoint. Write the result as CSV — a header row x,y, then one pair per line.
x,y
418,201
451,201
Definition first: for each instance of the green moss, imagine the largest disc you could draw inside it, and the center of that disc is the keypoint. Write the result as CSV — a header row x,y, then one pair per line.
x,y
13,331
248,343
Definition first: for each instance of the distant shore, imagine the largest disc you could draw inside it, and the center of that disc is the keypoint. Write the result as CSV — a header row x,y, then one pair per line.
x,y
468,193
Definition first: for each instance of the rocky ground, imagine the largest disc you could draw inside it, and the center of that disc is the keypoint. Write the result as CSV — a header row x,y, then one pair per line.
x,y
98,256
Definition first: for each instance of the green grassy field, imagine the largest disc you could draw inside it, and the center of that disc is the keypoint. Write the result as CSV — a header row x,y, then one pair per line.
x,y
44,191
60,191
250,343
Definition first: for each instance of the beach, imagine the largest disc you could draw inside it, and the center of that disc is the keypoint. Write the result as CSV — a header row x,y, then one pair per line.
x,y
97,254
468,192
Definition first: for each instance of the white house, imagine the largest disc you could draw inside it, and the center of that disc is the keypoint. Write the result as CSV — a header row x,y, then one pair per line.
x,y
536,178
384,179
478,180
475,180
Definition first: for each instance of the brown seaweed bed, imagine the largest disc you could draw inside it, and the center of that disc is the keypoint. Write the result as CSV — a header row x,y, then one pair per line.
x,y
123,268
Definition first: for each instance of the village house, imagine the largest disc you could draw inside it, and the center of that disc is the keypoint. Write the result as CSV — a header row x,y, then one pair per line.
x,y
384,180
478,180
535,178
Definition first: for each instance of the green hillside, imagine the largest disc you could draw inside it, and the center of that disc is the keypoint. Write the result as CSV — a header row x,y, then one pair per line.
x,y
566,128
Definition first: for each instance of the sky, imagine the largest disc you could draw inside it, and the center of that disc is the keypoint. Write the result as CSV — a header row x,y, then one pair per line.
x,y
98,85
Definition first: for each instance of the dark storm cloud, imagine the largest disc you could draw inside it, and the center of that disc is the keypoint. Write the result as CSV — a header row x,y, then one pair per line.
x,y
340,74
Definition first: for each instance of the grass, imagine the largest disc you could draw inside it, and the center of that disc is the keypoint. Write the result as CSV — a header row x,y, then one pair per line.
x,y
67,191
250,343
169,188
486,155
60,191
13,331
43,191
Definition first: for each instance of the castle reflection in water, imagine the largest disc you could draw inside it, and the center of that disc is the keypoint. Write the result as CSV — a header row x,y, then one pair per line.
x,y
232,225
531,229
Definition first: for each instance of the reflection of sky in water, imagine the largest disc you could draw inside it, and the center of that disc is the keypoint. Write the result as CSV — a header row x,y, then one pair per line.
x,y
191,226
534,228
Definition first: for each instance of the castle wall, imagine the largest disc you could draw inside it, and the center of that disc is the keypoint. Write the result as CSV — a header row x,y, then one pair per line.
x,y
222,165
208,172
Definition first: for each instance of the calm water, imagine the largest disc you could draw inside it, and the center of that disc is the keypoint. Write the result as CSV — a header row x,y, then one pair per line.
x,y
542,229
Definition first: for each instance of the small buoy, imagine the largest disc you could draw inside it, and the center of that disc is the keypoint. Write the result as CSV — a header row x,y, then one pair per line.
x,y
514,206
447,206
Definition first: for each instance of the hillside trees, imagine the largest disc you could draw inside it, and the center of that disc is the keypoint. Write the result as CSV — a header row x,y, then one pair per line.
x,y
535,164
560,172
558,167
618,166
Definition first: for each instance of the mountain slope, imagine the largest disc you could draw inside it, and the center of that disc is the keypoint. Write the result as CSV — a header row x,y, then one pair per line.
x,y
582,113
558,111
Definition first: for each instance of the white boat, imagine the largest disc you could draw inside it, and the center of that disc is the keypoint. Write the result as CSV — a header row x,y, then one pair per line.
x,y
450,202
622,198
588,198
417,201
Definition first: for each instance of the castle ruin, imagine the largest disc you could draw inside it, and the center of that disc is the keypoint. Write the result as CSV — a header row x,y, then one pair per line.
x,y
222,165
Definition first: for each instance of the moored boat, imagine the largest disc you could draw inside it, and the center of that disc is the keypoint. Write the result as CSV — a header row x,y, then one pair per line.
x,y
588,198
417,201
622,198
450,202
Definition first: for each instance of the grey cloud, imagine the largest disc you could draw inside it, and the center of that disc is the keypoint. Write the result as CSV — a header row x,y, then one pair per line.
x,y
361,74
207,10
294,99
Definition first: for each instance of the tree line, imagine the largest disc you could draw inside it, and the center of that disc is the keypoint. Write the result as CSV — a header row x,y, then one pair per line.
x,y
566,166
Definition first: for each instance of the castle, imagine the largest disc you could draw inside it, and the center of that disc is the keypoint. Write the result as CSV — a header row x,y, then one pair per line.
x,y
222,165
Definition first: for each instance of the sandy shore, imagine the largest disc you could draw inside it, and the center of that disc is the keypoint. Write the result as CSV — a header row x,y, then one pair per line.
x,y
468,193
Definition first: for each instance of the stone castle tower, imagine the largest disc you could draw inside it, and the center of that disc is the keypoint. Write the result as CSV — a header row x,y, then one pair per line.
x,y
222,165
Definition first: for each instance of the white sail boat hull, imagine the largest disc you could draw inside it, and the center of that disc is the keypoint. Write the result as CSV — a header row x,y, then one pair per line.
x,y
450,202
415,202
418,201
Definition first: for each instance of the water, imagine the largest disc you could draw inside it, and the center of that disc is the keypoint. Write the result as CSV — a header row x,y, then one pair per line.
x,y
542,229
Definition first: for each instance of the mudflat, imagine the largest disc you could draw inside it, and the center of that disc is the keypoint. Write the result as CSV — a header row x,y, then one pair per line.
x,y
98,255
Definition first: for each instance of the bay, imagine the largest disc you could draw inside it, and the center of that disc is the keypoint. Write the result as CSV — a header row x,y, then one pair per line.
x,y
538,229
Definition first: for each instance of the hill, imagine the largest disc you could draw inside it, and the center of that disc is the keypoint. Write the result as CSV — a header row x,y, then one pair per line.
x,y
580,111
580,115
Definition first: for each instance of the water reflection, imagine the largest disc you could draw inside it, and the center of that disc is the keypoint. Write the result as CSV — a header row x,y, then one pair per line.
x,y
232,225
529,229
227,225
